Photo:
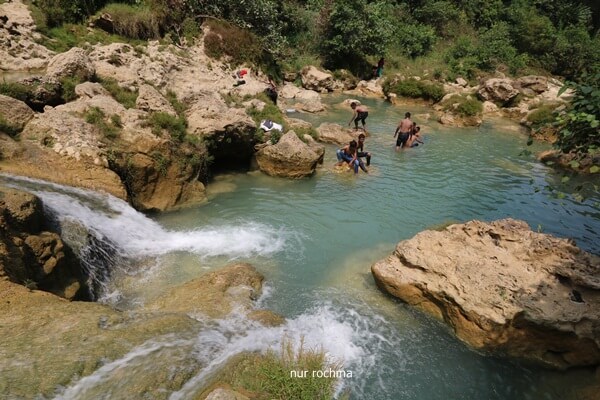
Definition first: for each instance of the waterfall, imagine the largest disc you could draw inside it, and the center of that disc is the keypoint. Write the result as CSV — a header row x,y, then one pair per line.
x,y
106,232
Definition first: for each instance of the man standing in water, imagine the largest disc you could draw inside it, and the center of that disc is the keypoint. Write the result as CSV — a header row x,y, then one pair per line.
x,y
403,131
360,113
361,151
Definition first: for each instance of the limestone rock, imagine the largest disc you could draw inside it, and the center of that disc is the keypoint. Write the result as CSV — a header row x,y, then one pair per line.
x,y
489,107
18,47
90,89
289,158
336,134
94,334
461,82
314,79
150,99
450,119
309,101
538,84
370,88
32,256
214,294
14,112
497,90
73,63
289,91
225,394
503,288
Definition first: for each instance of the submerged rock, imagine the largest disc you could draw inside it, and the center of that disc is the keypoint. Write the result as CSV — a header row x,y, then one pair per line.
x,y
214,294
289,158
503,288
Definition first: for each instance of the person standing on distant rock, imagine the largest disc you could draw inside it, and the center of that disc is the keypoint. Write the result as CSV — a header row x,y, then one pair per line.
x,y
360,113
361,152
403,131
380,67
271,90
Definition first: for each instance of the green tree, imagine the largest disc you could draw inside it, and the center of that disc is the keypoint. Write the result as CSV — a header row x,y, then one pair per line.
x,y
355,29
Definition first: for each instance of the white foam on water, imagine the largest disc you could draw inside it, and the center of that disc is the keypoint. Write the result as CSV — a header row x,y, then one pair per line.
x,y
345,336
81,387
136,235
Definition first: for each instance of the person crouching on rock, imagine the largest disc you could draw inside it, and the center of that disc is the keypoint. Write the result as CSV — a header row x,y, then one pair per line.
x,y
349,154
360,113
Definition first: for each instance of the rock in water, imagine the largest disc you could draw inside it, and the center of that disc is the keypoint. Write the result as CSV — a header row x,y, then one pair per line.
x,y
503,288
290,157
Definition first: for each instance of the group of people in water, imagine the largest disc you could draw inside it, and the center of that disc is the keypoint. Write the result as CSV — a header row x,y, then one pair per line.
x,y
407,132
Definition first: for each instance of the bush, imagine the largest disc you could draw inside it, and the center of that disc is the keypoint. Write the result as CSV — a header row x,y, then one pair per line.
x,y
96,117
579,128
136,22
414,89
16,90
67,86
464,106
58,12
438,14
355,29
269,374
542,115
162,121
121,94
7,128
415,40
238,45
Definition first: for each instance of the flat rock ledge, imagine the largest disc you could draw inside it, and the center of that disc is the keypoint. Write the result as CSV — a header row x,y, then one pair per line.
x,y
503,289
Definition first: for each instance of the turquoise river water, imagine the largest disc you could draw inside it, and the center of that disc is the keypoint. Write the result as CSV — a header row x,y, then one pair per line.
x,y
315,240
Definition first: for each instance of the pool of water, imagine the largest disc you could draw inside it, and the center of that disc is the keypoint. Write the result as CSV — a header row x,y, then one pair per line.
x,y
337,224
315,240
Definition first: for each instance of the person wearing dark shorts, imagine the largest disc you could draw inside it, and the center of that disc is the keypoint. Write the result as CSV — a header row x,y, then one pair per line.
x,y
361,151
404,130
360,113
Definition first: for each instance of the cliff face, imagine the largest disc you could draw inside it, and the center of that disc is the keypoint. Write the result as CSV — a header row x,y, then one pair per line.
x,y
503,288
31,254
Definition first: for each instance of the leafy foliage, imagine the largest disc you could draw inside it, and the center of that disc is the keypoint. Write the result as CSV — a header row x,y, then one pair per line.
x,y
414,89
579,128
355,29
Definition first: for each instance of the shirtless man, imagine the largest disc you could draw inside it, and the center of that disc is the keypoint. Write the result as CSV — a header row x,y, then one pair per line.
x,y
403,131
361,151
360,113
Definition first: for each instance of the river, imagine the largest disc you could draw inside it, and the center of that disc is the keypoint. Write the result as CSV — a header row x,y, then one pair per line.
x,y
315,240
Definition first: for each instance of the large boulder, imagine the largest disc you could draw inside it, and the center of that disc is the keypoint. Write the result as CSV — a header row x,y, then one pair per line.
x,y
73,63
497,90
32,255
19,49
214,294
336,134
315,79
503,288
289,158
309,101
151,100
15,113
538,84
